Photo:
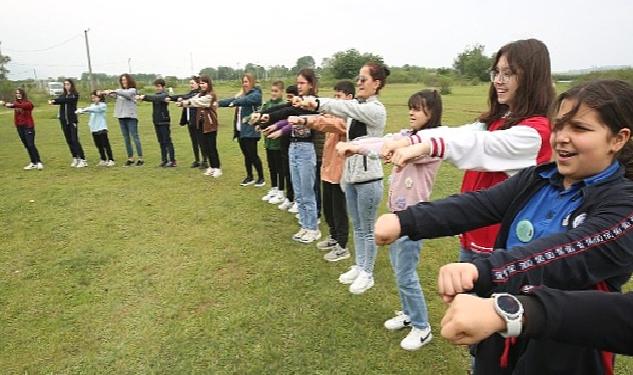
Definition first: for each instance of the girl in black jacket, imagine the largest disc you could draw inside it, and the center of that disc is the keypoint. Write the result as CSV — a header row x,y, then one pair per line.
x,y
566,225
67,103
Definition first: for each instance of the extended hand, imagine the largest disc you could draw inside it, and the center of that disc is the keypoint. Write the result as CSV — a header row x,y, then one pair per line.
x,y
387,229
470,319
456,278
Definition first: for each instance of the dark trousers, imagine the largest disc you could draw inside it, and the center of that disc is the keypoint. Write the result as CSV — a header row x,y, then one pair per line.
x,y
163,133
251,159
27,136
195,143
103,144
285,167
335,212
72,139
209,146
275,168
317,187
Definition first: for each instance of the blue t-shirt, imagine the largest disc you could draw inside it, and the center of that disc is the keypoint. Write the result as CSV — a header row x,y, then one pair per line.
x,y
549,210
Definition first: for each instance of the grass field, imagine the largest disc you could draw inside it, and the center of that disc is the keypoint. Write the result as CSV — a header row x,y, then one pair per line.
x,y
150,270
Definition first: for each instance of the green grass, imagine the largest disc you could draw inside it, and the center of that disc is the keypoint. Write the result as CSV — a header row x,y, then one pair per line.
x,y
146,270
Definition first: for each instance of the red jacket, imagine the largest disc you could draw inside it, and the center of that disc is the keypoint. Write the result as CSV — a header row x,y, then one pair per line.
x,y
482,240
22,113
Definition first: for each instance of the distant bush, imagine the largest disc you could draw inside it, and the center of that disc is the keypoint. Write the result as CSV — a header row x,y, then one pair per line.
x,y
622,74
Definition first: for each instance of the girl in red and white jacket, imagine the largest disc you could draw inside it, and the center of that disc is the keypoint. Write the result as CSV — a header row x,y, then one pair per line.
x,y
25,126
512,135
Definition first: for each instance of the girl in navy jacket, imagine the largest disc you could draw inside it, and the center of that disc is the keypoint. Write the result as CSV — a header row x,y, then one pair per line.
x,y
67,103
566,225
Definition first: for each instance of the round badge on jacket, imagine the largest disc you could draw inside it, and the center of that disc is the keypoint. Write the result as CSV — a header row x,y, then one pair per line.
x,y
525,231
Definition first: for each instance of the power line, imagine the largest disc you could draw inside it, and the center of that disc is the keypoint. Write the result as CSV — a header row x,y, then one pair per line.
x,y
47,48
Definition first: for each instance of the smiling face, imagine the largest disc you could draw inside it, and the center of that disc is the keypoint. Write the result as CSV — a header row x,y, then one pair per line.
x,y
366,86
275,93
124,82
204,86
505,81
584,145
247,85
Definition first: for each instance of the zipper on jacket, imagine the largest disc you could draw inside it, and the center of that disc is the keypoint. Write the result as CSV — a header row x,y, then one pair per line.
x,y
365,162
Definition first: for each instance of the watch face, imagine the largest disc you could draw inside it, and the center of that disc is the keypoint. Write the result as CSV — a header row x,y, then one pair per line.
x,y
508,304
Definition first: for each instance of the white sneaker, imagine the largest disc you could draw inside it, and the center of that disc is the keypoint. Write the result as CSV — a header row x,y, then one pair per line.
x,y
294,208
297,236
73,164
284,205
363,282
30,166
327,244
110,163
297,216
81,164
349,276
277,198
217,172
39,166
399,321
416,339
271,193
208,172
310,236
102,163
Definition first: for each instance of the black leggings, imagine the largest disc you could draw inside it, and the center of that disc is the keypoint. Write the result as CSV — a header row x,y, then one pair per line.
x,y
275,168
72,139
285,168
195,143
209,146
27,136
249,150
335,212
103,144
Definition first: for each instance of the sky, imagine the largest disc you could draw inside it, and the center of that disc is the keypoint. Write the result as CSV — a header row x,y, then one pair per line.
x,y
46,39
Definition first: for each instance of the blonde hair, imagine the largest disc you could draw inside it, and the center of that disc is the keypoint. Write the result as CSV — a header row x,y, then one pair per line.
x,y
251,80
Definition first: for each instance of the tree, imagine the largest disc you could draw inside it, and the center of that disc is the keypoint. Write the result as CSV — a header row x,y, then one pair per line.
x,y
472,63
304,62
4,71
346,64
225,73
211,72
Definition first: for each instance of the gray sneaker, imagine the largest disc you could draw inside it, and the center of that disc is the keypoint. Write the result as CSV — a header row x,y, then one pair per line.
x,y
337,253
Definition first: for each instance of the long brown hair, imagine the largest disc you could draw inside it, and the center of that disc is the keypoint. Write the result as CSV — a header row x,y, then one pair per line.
x,y
131,83
529,60
206,79
73,89
251,79
613,101
312,79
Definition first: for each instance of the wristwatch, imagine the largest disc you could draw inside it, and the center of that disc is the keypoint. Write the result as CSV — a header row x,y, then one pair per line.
x,y
511,310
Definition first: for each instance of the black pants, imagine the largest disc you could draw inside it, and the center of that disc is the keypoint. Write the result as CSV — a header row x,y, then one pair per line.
x,y
317,187
163,133
103,144
27,136
209,146
251,159
335,212
195,143
275,168
72,139
285,167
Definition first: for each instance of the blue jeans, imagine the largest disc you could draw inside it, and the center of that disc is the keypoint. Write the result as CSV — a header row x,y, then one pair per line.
x,y
302,159
129,129
405,255
362,204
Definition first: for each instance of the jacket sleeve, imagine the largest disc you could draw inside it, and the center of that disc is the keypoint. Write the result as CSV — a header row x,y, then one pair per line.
x,y
199,101
25,104
330,124
461,212
370,113
128,94
599,249
63,99
275,108
155,98
507,150
585,318
96,108
286,112
253,98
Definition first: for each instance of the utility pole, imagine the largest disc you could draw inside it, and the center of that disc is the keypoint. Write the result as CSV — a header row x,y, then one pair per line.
x,y
129,65
191,61
90,79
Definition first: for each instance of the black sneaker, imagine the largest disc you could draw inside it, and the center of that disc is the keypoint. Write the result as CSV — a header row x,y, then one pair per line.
x,y
139,163
195,164
204,165
129,163
247,181
260,182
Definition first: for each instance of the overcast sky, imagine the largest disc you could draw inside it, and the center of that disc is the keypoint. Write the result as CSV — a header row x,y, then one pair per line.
x,y
161,37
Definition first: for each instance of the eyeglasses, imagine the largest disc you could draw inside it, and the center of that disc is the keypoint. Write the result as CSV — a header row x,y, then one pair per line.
x,y
361,79
504,77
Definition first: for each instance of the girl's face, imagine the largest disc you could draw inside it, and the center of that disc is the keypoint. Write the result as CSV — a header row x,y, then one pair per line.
x,y
95,99
194,85
584,146
124,82
505,81
365,85
246,84
18,95
303,86
418,118
204,86
66,86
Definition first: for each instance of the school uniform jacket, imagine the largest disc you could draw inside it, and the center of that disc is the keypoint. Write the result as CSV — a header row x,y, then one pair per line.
x,y
596,252
67,107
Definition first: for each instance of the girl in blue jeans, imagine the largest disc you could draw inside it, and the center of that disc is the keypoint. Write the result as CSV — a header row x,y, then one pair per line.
x,y
409,185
